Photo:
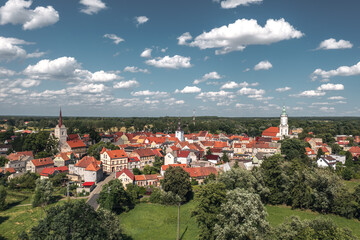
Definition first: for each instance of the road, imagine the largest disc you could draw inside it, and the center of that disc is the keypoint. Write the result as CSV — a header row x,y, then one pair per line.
x,y
94,195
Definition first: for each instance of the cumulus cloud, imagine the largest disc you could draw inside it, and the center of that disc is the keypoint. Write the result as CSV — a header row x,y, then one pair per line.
x,y
149,93
330,87
19,12
327,109
235,3
11,49
215,96
87,88
232,85
284,89
116,39
251,91
68,69
340,71
331,43
245,106
92,6
336,98
4,72
141,20
27,83
263,65
310,93
207,76
174,62
189,89
243,32
127,84
146,53
134,69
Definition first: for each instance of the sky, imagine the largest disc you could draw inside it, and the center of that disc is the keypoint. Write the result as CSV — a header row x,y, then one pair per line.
x,y
149,58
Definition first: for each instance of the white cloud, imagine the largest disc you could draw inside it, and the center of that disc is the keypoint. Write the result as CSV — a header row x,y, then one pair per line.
x,y
146,53
207,76
232,85
327,109
134,69
251,91
336,98
115,38
284,89
174,62
330,87
149,93
36,54
4,72
127,84
298,108
246,69
173,101
189,89
141,20
182,40
331,43
263,65
245,106
310,93
67,69
87,88
92,6
10,48
235,3
243,32
19,12
340,71
30,83
216,96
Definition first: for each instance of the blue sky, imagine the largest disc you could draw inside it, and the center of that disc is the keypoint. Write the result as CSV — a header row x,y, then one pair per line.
x,y
239,58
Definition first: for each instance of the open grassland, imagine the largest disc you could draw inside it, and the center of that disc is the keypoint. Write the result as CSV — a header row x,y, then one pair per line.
x,y
153,221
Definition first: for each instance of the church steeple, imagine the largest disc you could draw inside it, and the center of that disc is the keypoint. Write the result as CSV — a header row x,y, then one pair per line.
x,y
60,119
179,125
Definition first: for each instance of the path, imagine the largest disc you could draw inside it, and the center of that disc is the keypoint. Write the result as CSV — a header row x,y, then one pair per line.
x,y
94,195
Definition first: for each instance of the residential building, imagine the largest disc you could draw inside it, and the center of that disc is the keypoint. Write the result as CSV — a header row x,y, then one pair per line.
x,y
146,156
114,160
126,177
88,168
19,160
37,165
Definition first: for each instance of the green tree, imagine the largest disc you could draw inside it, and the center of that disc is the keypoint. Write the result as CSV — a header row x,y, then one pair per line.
x,y
43,193
208,201
347,173
77,220
25,181
273,178
319,228
294,148
136,171
208,151
177,181
242,216
3,161
3,194
94,150
113,197
319,153
225,157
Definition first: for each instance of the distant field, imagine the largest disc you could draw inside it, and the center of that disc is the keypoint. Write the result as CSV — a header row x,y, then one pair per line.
x,y
153,221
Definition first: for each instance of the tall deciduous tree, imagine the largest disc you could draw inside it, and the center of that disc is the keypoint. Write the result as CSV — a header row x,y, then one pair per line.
x,y
177,181
242,216
77,220
113,197
208,199
293,148
43,193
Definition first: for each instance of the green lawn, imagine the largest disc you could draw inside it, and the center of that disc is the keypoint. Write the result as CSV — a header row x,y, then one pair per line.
x,y
351,185
153,221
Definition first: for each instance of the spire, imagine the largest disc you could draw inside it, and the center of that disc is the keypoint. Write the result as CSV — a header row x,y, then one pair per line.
x,y
283,111
179,125
60,119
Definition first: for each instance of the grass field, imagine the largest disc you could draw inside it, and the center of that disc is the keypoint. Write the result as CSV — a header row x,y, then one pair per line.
x,y
351,185
152,221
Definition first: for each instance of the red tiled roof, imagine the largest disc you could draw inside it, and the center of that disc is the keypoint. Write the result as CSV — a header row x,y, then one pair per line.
x,y
147,152
116,154
200,171
140,178
127,172
271,132
183,154
17,155
73,137
237,145
63,155
86,161
354,149
76,144
10,170
157,152
165,167
92,167
42,162
212,157
88,184
48,171
134,159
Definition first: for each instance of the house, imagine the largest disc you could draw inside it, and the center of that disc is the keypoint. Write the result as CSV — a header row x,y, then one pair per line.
x,y
355,151
114,160
64,159
213,158
271,132
4,148
88,168
19,160
326,161
146,156
183,157
126,177
76,146
46,172
169,159
7,170
148,180
200,173
37,165
133,162
165,167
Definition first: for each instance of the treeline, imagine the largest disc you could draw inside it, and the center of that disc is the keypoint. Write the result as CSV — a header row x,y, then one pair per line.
x,y
251,126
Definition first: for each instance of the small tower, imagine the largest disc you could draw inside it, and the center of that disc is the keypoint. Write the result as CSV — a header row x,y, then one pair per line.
x,y
179,133
284,127
61,132
194,117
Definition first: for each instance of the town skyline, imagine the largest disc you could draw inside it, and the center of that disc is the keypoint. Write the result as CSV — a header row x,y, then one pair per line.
x,y
226,58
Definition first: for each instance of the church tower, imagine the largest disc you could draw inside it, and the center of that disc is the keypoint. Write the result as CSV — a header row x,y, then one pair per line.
x,y
179,133
61,132
284,127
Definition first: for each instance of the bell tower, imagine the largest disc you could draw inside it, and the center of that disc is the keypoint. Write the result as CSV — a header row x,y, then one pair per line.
x,y
284,127
61,132
179,133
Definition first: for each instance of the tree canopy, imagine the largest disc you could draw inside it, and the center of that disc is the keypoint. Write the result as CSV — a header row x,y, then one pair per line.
x,y
177,181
